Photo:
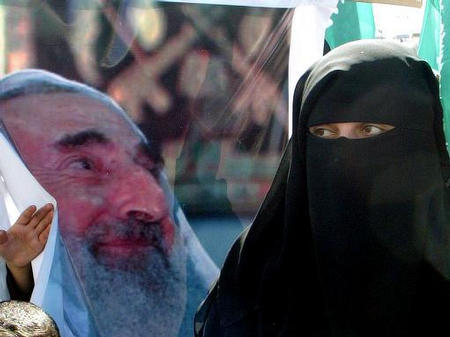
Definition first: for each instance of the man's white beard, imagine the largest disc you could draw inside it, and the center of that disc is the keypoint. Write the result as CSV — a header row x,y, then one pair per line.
x,y
128,303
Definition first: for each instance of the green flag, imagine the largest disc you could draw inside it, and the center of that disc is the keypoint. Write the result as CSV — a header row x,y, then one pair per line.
x,y
429,44
434,47
354,21
444,68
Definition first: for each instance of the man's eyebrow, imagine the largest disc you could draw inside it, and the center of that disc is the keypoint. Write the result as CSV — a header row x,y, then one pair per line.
x,y
82,138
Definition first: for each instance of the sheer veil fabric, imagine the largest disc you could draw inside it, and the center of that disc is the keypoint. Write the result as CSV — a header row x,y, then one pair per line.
x,y
353,236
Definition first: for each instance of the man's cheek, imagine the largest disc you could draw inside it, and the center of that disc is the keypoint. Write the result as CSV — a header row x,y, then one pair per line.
x,y
75,204
75,216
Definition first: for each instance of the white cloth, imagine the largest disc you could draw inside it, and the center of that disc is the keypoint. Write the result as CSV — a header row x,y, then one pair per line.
x,y
18,190
259,3
307,41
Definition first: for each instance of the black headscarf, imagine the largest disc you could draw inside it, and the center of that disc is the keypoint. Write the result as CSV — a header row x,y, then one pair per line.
x,y
353,238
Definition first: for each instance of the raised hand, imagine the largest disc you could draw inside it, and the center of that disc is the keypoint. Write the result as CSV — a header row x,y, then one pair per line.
x,y
23,242
27,237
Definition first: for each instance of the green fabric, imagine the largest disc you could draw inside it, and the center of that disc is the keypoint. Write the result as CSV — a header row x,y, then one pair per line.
x,y
429,44
354,21
445,64
434,47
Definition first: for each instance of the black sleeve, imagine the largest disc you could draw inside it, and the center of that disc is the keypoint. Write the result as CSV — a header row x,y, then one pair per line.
x,y
14,292
207,322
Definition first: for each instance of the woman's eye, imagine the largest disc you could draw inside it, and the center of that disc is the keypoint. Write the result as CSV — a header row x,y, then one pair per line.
x,y
372,130
322,132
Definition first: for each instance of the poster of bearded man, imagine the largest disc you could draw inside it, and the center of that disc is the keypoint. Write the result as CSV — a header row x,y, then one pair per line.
x,y
125,262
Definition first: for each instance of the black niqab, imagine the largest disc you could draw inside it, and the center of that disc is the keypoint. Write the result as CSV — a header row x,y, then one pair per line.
x,y
353,238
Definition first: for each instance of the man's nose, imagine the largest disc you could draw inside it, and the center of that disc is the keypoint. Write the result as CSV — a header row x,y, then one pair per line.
x,y
135,191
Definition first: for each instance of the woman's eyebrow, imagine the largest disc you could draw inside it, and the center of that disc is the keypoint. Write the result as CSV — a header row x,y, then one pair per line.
x,y
83,138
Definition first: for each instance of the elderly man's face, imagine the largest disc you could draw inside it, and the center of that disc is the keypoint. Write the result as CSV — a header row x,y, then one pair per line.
x,y
103,177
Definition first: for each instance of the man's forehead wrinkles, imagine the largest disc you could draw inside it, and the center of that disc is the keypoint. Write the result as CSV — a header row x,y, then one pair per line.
x,y
55,116
66,105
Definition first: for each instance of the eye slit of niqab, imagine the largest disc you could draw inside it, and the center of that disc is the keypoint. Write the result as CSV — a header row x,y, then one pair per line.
x,y
350,130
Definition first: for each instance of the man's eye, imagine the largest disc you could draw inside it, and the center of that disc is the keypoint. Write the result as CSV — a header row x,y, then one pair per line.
x,y
82,164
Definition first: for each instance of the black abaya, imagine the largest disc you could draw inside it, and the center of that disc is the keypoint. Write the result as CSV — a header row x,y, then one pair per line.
x,y
353,238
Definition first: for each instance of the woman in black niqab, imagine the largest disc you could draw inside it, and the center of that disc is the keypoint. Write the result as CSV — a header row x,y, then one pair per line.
x,y
353,238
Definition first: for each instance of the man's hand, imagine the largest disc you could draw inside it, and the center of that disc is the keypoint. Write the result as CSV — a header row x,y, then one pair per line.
x,y
23,242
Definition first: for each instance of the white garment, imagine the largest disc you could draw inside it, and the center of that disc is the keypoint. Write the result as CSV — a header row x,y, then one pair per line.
x,y
307,41
18,190
260,3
